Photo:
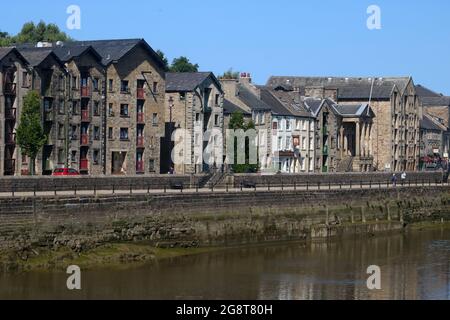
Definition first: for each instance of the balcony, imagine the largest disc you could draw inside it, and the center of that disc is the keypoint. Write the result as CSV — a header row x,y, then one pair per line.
x,y
84,164
140,142
140,118
140,167
85,116
85,92
10,113
325,130
84,140
10,139
325,151
141,94
10,166
10,89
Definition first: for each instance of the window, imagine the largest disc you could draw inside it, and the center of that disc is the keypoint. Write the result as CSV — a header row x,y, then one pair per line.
x,y
288,143
280,143
96,133
111,110
111,85
124,134
73,133
60,131
182,96
298,125
95,84
124,87
261,118
74,83
62,107
288,125
95,156
110,133
155,119
61,156
96,108
304,146
311,144
151,165
217,99
25,82
75,110
216,120
124,111
275,125
305,125
73,156
155,87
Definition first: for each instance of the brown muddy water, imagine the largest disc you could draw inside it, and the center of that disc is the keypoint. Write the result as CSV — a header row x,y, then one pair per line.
x,y
415,265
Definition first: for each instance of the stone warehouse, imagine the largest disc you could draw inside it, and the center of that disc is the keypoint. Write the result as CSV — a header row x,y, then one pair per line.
x,y
109,108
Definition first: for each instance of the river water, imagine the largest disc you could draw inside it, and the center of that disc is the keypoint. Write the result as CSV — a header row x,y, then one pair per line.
x,y
413,266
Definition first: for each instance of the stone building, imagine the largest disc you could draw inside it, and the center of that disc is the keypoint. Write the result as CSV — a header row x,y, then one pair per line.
x,y
194,104
437,106
134,106
85,94
431,137
48,77
395,131
112,118
293,131
247,98
14,84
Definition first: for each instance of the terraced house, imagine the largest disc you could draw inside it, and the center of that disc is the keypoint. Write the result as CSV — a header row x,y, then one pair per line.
x,y
394,134
13,86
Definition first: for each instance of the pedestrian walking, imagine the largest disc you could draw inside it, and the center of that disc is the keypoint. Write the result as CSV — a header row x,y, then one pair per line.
x,y
394,180
403,177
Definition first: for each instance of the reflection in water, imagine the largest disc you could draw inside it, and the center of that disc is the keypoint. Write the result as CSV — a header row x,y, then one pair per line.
x,y
414,266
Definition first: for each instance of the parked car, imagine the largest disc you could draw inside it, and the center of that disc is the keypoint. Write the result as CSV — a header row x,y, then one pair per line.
x,y
65,172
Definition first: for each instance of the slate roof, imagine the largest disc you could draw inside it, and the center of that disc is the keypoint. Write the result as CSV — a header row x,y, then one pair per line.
x,y
422,91
283,103
35,56
229,108
185,82
348,88
4,51
250,99
427,123
313,105
109,51
438,101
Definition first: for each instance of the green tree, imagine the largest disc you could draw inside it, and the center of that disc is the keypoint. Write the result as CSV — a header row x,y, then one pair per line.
x,y
237,122
164,60
182,64
32,33
230,74
30,133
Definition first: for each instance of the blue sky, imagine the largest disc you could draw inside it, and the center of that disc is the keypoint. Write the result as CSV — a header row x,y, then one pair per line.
x,y
284,37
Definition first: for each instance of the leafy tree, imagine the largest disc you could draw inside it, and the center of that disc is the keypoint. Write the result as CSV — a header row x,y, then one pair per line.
x,y
182,64
30,133
237,122
230,74
32,33
164,60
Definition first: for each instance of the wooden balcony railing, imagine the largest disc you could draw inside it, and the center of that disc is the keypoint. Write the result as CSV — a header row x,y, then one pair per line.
x,y
140,118
141,93
85,115
84,140
85,92
140,142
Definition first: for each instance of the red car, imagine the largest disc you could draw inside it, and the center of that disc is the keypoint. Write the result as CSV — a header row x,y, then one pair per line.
x,y
65,172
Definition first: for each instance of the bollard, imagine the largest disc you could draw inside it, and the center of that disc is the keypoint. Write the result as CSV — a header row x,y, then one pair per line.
x,y
148,189
74,190
307,186
54,186
13,191
165,189
268,186
227,187
329,185
34,191
131,189
318,185
295,186
113,189
361,184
